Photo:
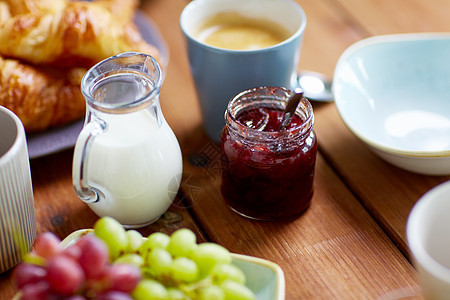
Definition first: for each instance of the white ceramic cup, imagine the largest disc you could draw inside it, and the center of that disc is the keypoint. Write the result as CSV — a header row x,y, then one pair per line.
x,y
428,234
220,74
17,215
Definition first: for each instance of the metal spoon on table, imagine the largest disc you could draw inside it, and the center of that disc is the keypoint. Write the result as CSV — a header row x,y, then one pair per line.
x,y
316,86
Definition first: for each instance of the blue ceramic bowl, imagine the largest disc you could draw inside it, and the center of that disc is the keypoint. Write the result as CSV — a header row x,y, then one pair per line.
x,y
393,93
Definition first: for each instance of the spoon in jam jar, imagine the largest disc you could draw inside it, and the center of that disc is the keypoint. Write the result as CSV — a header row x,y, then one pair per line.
x,y
291,106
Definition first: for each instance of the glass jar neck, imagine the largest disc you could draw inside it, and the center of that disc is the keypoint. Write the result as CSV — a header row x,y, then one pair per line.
x,y
274,98
123,83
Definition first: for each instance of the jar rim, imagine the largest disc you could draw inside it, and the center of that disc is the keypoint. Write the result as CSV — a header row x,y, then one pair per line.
x,y
267,95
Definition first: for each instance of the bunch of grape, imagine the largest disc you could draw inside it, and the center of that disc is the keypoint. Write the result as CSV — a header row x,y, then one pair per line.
x,y
175,267
80,271
116,264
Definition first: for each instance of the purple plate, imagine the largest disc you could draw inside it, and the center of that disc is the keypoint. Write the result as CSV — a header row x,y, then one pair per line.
x,y
61,138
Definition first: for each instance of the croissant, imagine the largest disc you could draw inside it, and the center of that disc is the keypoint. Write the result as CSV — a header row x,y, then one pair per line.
x,y
35,6
41,97
122,10
81,34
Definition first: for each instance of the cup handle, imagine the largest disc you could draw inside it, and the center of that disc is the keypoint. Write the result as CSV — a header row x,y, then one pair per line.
x,y
83,146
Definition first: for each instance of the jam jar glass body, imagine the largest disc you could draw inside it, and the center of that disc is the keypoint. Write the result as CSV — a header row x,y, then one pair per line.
x,y
267,175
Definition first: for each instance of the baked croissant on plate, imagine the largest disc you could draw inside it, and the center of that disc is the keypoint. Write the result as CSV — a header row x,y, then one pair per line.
x,y
46,47
81,34
123,9
41,97
35,6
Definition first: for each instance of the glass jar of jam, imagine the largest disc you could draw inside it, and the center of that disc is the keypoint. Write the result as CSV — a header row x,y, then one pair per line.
x,y
267,173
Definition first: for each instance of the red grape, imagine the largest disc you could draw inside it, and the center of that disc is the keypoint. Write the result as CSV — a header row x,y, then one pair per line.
x,y
27,273
73,251
75,297
64,275
114,295
47,244
36,291
124,277
94,255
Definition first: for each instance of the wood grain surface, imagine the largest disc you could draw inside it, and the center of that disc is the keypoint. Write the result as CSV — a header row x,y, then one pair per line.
x,y
350,244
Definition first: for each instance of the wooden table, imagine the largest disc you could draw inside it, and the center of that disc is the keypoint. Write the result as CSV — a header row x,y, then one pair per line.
x,y
351,242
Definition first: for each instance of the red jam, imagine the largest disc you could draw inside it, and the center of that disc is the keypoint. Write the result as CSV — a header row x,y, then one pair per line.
x,y
264,119
267,174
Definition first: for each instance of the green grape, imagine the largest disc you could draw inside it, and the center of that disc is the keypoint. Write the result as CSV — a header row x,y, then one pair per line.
x,y
183,270
236,291
34,259
221,272
212,292
149,289
182,242
145,249
113,234
131,258
158,240
159,261
154,240
207,255
175,294
135,240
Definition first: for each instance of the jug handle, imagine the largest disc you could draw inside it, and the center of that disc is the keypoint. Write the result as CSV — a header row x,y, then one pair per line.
x,y
83,146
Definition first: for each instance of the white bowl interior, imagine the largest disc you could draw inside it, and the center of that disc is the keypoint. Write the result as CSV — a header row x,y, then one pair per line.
x,y
264,278
394,91
428,232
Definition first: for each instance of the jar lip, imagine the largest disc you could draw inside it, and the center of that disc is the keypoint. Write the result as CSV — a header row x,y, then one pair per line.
x,y
280,95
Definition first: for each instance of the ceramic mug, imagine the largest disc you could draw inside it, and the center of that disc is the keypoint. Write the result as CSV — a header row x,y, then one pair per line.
x,y
428,234
17,215
219,74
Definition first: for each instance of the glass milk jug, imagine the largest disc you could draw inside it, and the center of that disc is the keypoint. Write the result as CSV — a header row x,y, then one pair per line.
x,y
127,161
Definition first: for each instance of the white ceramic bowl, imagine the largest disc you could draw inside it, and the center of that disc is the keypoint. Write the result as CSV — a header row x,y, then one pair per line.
x,y
393,93
428,231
